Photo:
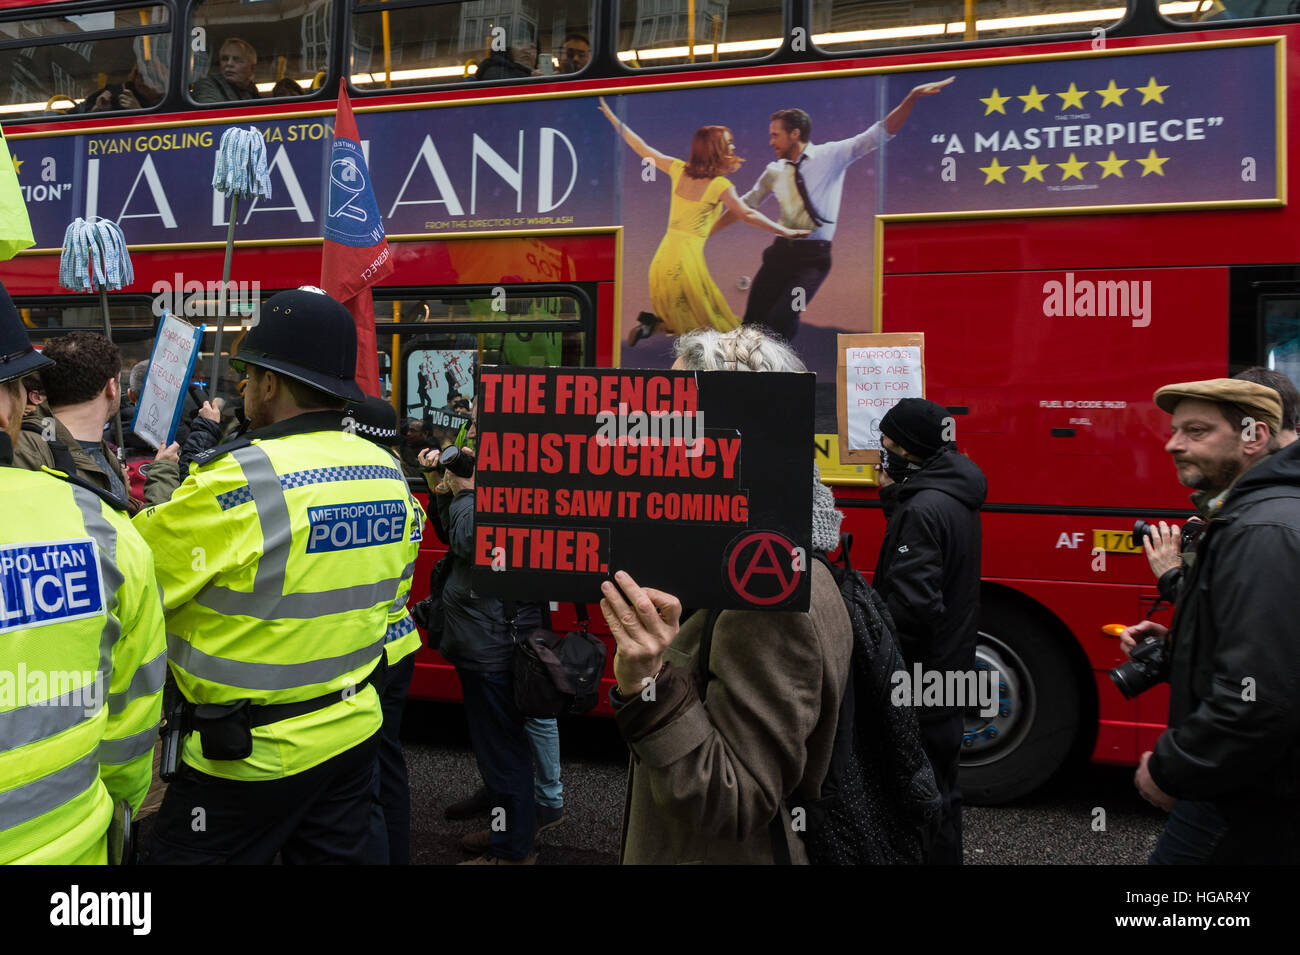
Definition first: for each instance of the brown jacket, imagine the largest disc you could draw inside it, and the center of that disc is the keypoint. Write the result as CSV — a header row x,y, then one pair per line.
x,y
31,451
705,779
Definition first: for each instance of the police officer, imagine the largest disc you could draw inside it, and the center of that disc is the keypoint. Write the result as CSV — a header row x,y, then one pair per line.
x,y
390,822
82,651
280,558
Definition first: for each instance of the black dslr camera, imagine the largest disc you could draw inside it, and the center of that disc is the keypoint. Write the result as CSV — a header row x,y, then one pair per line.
x,y
1148,665
456,461
1192,528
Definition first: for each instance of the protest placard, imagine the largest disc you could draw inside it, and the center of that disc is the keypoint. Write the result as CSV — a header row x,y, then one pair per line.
x,y
874,373
175,350
697,484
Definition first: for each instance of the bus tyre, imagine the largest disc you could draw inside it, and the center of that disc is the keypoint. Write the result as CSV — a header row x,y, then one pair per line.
x,y
1015,751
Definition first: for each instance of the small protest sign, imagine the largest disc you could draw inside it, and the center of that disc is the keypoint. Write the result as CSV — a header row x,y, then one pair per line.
x,y
175,350
697,484
875,372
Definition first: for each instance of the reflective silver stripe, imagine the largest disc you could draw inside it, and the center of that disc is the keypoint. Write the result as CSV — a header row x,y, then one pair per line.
x,y
38,721
400,600
49,792
268,601
261,606
266,676
147,681
105,536
129,747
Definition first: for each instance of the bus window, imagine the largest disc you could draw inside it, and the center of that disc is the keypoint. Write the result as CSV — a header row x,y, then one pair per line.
x,y
478,40
1281,322
46,69
660,32
430,350
842,26
1214,11
265,50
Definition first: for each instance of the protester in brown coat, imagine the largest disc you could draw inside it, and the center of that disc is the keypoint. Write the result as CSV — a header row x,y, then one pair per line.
x,y
707,778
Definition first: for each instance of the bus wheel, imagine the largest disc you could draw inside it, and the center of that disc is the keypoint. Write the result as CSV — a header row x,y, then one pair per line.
x,y
1014,751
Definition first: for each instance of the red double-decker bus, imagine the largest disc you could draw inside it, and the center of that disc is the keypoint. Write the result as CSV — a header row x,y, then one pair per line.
x,y
1094,207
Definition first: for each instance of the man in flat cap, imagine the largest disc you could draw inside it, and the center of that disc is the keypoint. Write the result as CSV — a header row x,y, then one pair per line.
x,y
1228,767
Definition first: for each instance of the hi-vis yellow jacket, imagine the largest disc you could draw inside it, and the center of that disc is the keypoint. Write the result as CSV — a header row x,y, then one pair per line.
x,y
401,639
82,663
281,559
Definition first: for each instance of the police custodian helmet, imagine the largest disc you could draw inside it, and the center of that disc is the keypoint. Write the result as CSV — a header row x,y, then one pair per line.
x,y
307,335
17,356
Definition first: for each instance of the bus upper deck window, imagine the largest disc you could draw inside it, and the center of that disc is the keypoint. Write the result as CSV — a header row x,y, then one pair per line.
x,y
49,69
1219,11
842,26
267,49
473,41
660,32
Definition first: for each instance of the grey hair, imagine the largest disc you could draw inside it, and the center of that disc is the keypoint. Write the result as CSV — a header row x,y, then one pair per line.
x,y
747,348
139,371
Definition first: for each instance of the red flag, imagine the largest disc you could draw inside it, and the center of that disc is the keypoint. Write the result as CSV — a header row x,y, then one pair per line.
x,y
356,253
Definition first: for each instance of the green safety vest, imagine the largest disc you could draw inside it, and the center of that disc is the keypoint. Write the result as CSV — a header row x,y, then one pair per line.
x,y
82,664
282,561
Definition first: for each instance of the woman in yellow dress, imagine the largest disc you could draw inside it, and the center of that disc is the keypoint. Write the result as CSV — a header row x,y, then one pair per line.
x,y
682,293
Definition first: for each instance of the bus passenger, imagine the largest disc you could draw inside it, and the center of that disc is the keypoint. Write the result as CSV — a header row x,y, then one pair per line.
x,y
235,80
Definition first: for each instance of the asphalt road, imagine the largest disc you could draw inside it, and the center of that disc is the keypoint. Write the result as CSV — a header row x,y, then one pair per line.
x,y
1058,825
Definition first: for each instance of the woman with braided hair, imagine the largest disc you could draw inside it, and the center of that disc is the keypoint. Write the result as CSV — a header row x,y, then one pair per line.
x,y
682,293
706,783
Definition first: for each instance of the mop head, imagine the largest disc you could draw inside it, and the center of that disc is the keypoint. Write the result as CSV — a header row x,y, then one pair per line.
x,y
241,164
94,256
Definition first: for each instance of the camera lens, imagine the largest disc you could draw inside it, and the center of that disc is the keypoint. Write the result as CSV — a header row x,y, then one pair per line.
x,y
1141,529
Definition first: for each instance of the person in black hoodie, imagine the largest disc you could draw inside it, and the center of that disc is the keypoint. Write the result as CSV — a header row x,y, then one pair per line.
x,y
928,574
1227,768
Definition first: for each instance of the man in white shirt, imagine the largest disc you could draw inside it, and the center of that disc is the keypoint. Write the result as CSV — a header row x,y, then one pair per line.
x,y
808,179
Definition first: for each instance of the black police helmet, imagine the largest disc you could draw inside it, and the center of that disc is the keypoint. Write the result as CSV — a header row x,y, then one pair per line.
x,y
308,336
17,356
375,420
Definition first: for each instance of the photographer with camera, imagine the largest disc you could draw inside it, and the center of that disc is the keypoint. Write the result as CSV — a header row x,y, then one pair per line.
x,y
478,641
1165,544
1228,766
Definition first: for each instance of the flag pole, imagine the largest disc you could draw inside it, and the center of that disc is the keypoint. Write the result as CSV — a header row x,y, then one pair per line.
x,y
214,374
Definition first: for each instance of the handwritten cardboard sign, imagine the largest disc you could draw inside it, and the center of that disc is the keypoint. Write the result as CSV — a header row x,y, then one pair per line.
x,y
175,350
874,373
697,484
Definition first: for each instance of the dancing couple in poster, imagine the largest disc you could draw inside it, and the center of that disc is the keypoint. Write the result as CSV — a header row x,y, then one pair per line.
x,y
683,295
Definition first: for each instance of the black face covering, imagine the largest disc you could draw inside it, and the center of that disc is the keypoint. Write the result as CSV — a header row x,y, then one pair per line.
x,y
898,469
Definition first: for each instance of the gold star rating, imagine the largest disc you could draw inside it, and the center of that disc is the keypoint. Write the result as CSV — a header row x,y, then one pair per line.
x,y
1151,93
1073,97
1111,166
1071,168
18,164
1112,94
994,171
1033,99
995,103
1033,169
1153,163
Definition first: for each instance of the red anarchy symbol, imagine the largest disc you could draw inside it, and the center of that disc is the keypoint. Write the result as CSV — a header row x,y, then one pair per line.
x,y
771,555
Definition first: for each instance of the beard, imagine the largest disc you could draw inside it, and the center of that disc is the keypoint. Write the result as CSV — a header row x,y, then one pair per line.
x,y
1213,477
